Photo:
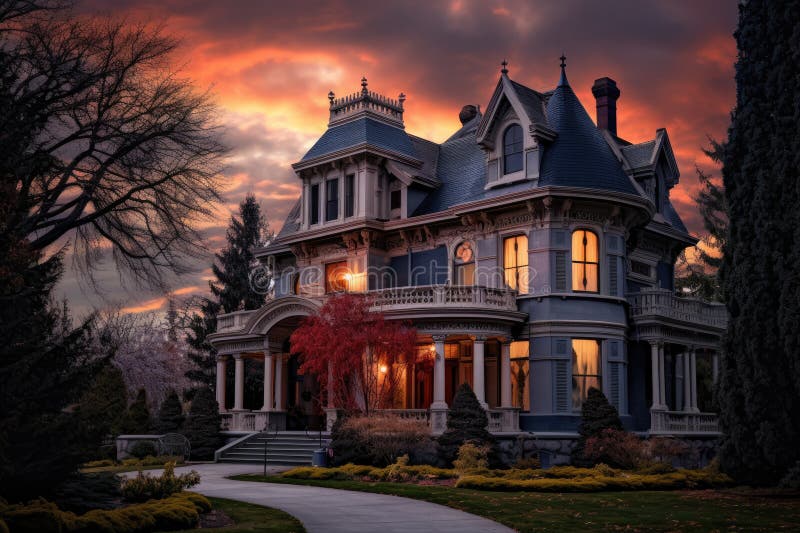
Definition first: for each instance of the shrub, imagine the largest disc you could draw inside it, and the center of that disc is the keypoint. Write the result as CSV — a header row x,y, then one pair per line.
x,y
466,421
136,420
170,414
35,517
3,527
378,440
525,463
791,479
202,424
666,449
83,492
143,448
616,448
471,456
597,414
145,487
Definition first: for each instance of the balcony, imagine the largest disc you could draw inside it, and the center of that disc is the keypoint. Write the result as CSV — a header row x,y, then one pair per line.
x,y
663,305
427,298
682,423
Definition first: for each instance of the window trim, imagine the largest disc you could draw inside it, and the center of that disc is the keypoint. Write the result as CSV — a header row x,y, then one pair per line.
x,y
584,262
506,145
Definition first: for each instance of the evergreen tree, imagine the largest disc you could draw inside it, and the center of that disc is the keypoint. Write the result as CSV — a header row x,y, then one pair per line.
x,y
760,274
466,421
170,414
202,425
103,405
239,286
699,277
597,414
137,418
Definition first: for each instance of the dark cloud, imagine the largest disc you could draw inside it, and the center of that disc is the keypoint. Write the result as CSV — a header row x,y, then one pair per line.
x,y
272,63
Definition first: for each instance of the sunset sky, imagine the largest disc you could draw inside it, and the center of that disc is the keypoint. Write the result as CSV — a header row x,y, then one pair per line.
x,y
271,65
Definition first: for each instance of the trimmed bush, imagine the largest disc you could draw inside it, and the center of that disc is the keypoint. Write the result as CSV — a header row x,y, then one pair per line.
x,y
471,457
466,421
202,424
143,448
617,448
395,472
597,414
145,487
378,440
170,415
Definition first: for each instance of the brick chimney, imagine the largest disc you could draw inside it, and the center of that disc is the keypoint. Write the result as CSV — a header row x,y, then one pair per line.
x,y
605,92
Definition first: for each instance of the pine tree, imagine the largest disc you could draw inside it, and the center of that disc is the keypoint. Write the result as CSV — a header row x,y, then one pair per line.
x,y
170,415
597,414
202,425
466,421
137,418
760,368
233,291
103,405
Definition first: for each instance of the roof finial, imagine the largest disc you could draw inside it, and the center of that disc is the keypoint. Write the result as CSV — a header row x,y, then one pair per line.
x,y
401,99
563,80
331,96
363,85
504,70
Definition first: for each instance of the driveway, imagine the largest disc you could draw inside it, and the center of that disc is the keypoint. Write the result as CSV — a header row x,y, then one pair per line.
x,y
323,510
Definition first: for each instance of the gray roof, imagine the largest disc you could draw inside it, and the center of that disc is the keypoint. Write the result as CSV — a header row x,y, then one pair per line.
x,y
533,102
638,155
579,156
673,218
292,223
361,131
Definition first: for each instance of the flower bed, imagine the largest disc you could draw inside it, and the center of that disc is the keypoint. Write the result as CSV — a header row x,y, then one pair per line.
x,y
556,479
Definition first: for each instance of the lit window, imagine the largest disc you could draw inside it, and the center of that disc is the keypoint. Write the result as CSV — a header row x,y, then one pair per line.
x,y
332,200
520,370
585,369
585,263
464,264
515,263
512,149
336,277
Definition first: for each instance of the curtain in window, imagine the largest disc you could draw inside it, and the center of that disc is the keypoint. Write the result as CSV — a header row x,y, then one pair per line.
x,y
585,267
585,369
515,263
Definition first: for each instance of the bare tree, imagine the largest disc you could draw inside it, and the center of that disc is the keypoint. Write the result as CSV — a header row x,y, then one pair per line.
x,y
102,142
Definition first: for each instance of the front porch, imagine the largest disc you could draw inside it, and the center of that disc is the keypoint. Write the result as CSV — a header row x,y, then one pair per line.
x,y
683,337
469,343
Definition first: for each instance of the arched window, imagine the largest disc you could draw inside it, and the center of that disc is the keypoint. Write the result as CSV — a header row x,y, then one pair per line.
x,y
585,262
464,264
512,149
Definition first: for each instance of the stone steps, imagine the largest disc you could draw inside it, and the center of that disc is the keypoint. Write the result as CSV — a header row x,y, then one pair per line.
x,y
291,448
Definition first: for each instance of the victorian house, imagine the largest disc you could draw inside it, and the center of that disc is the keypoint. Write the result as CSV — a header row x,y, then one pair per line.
x,y
533,251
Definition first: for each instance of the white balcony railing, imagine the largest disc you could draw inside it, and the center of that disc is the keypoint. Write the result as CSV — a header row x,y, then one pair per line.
x,y
407,298
444,296
663,303
679,422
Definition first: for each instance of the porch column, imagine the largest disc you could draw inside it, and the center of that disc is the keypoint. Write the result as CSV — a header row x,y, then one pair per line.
x,y
238,403
693,368
268,396
478,370
438,418
279,383
505,374
662,392
655,350
222,368
715,366
687,382
438,373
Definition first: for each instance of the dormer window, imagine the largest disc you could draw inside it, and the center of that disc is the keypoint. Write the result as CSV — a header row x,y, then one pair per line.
x,y
512,149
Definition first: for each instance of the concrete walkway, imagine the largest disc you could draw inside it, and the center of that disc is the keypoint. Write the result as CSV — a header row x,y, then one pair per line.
x,y
323,510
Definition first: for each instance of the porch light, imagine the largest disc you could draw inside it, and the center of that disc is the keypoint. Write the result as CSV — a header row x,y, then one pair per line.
x,y
384,369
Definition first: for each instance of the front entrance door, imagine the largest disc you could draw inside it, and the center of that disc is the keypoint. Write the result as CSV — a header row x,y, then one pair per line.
x,y
303,402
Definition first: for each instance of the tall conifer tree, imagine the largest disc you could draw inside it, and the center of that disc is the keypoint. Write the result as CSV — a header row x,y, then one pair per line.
x,y
232,291
760,378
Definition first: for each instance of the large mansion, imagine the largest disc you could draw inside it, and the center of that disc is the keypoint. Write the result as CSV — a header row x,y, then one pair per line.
x,y
533,251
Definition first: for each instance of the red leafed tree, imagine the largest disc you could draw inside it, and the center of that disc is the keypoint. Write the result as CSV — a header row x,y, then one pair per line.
x,y
364,356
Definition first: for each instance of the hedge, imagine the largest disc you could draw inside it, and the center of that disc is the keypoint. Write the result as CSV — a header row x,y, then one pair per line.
x,y
179,511
390,473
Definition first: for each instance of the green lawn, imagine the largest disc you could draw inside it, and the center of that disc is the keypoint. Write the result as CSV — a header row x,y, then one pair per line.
x,y
249,517
608,511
